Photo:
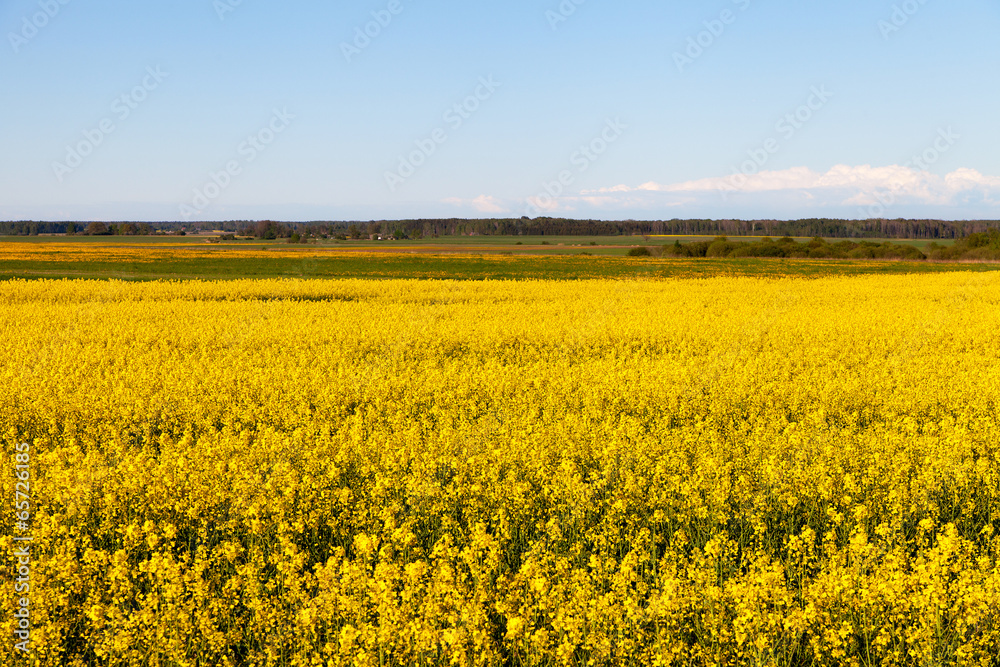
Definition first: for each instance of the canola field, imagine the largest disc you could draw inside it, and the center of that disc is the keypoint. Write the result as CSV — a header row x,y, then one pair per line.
x,y
721,471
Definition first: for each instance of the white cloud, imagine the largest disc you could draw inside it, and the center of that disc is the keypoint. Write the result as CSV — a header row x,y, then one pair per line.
x,y
549,204
842,190
487,204
481,204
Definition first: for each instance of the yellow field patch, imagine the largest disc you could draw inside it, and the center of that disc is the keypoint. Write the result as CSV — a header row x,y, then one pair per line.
x,y
726,471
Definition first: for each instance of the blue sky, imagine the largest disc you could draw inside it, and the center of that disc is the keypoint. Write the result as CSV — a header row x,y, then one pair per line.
x,y
221,109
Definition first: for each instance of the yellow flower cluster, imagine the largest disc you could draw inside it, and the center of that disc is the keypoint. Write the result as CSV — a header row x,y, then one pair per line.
x,y
728,471
138,251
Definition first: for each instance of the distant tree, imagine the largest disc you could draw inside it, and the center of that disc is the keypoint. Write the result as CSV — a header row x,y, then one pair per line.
x,y
70,229
96,229
675,249
267,230
718,248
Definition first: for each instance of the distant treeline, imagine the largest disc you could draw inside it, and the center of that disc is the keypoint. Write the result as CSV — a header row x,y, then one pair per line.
x,y
975,247
786,246
824,227
810,227
978,246
91,228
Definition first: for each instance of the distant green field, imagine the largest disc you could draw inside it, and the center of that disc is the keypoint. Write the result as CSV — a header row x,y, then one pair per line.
x,y
528,244
159,258
564,244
